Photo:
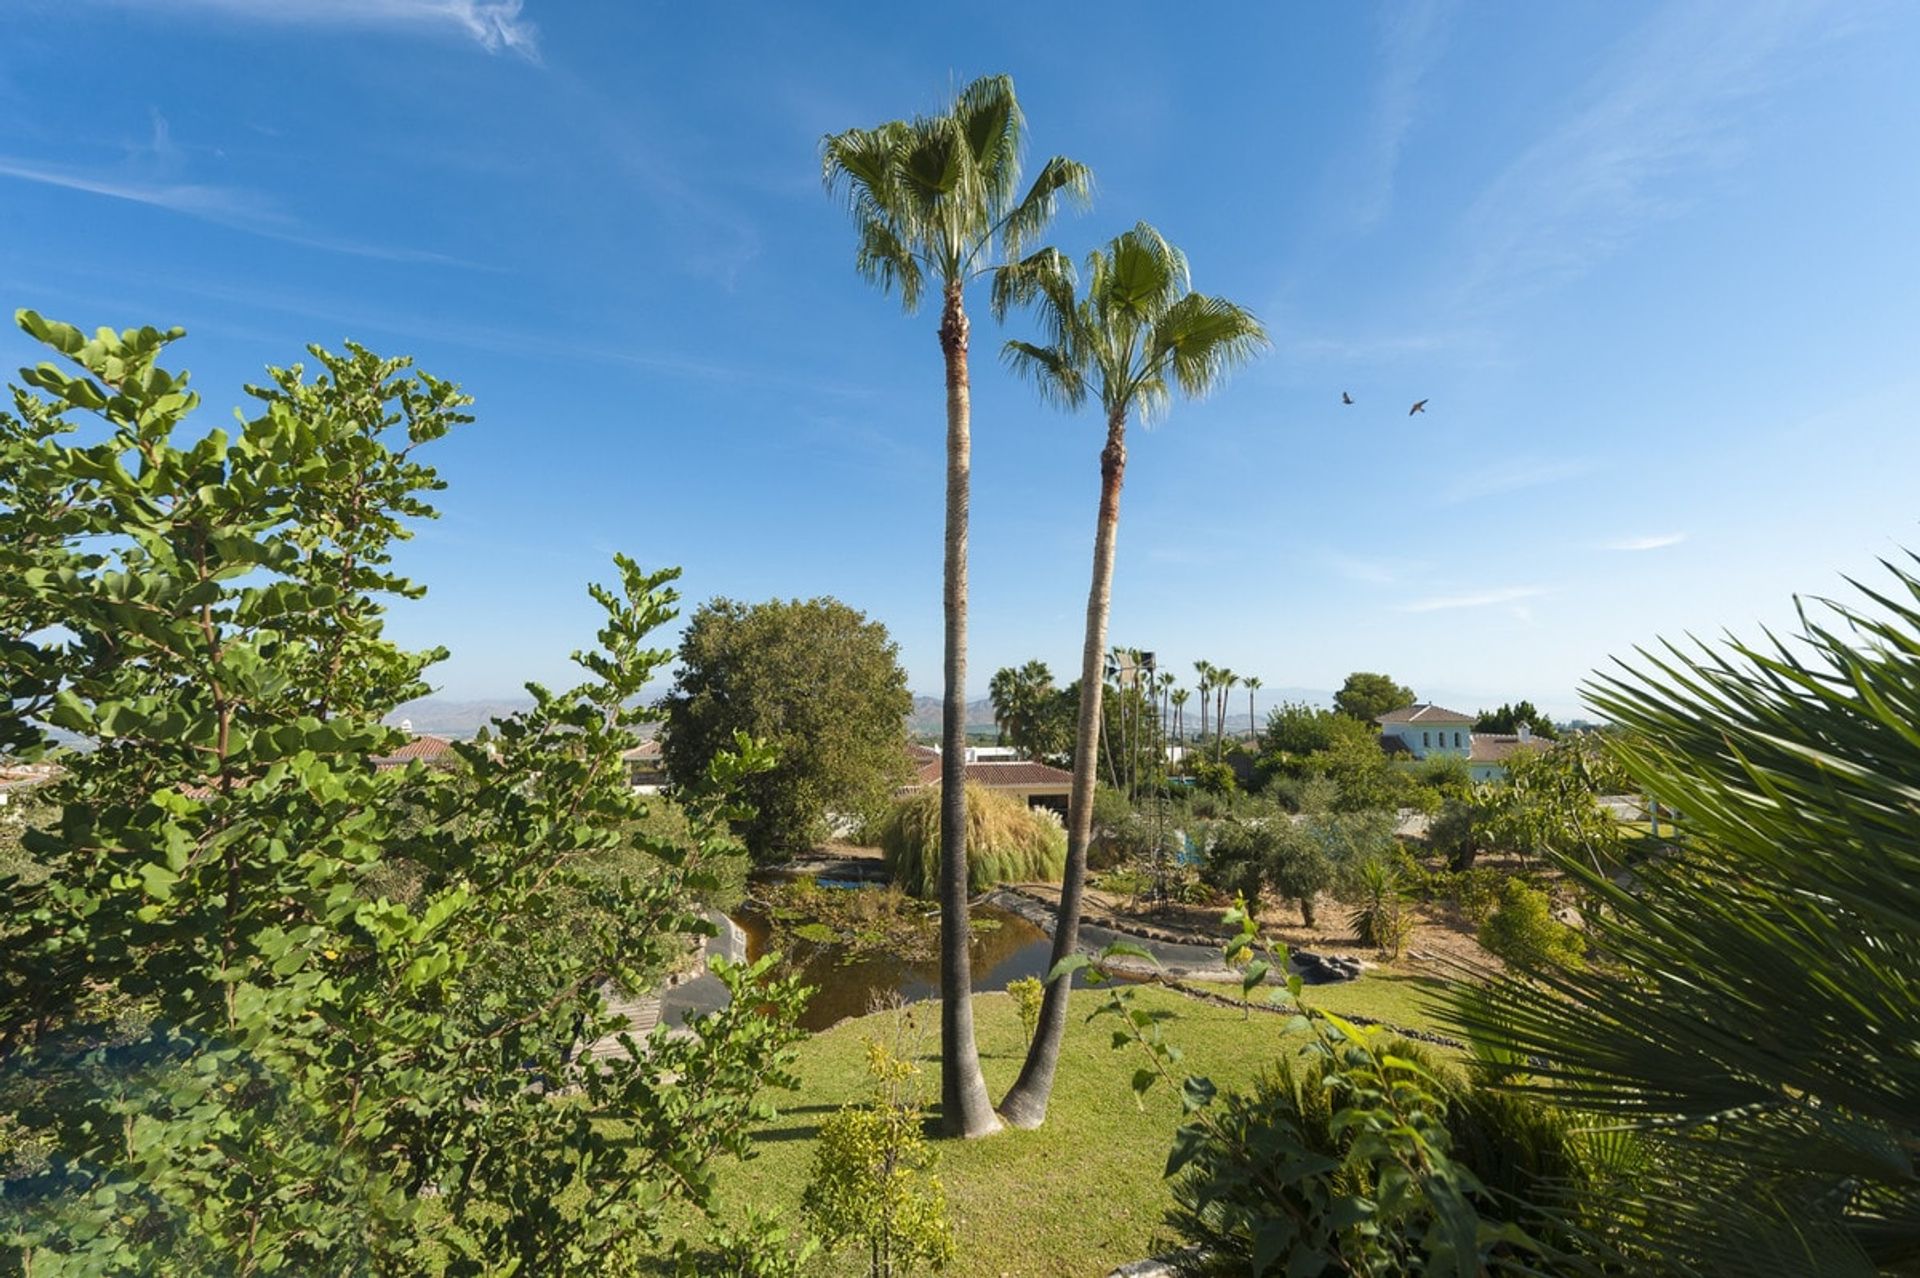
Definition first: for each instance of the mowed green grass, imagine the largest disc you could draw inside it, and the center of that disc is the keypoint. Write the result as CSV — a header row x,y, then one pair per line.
x,y
1085,1192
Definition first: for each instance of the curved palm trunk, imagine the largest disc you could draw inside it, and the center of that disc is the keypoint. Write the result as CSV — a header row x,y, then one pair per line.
x,y
1026,1104
965,1107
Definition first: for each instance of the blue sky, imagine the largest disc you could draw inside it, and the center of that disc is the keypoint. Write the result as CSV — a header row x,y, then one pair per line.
x,y
1654,266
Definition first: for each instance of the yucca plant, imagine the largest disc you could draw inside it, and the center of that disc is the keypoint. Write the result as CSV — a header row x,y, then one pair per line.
x,y
1754,1006
1007,842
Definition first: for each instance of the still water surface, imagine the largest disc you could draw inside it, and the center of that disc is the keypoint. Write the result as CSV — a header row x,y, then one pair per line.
x,y
1014,949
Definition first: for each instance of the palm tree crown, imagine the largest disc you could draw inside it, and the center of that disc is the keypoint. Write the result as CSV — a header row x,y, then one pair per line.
x,y
939,196
1137,332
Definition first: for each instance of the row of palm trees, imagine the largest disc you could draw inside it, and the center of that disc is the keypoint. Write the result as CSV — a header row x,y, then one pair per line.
x,y
937,202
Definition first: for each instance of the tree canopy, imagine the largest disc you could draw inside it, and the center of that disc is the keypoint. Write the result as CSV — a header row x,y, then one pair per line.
x,y
1511,718
1366,696
820,684
224,1046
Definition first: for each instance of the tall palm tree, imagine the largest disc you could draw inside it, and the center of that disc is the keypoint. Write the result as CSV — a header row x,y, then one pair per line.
x,y
1136,333
936,201
1179,697
1252,685
1224,682
1203,669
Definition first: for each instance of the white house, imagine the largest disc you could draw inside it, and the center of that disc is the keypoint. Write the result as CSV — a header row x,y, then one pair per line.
x,y
1426,731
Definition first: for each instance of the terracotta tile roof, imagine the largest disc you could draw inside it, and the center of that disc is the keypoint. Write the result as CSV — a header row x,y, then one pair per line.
x,y
920,754
1424,712
1024,775
425,747
1494,747
645,752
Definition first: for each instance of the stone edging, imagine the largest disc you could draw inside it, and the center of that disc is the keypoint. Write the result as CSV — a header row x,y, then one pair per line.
x,y
1113,924
1043,914
1166,1266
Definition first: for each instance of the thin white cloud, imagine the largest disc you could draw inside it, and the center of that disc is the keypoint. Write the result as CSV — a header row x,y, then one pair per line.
x,y
226,206
1511,476
1411,44
495,25
1480,599
1645,135
1658,541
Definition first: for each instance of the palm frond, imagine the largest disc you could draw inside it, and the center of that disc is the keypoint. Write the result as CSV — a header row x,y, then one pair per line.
x,y
1053,372
1059,179
1043,280
1757,1009
1201,338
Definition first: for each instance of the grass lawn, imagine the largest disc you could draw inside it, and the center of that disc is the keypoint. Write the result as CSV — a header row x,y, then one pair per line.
x,y
1082,1194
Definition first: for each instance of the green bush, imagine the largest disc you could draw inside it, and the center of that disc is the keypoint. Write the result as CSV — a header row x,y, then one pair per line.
x,y
1007,842
1214,778
1353,1163
1380,917
1523,932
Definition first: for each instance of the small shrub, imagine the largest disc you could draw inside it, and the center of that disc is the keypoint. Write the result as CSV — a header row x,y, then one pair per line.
x,y
1477,893
1214,778
1027,993
1380,917
870,1181
1523,932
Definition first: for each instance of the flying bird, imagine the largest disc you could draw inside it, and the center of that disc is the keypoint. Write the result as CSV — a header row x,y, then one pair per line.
x,y
1345,398
1420,406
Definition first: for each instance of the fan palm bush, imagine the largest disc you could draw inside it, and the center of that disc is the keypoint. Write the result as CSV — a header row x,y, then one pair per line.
x,y
1754,1001
1007,842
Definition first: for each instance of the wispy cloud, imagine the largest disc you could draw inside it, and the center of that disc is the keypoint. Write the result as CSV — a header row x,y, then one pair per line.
x,y
1658,541
1478,599
1373,572
1650,125
495,25
1411,43
1513,475
226,206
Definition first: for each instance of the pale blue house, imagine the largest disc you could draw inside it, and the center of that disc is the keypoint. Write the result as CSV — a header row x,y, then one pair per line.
x,y
1426,731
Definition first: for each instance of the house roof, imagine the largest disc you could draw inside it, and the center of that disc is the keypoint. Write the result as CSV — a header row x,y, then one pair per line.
x,y
1423,712
426,747
920,754
1023,775
1494,747
645,752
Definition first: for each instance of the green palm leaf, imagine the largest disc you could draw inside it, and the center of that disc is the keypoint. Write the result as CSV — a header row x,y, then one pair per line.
x,y
1757,1009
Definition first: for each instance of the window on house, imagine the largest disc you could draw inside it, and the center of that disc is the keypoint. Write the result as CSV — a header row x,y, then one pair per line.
x,y
1456,740
1426,740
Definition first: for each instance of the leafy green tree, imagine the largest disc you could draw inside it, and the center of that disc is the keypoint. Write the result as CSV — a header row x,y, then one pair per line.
x,y
1135,334
1547,805
1753,1010
936,200
1511,718
1296,731
1365,696
1366,779
818,682
238,1057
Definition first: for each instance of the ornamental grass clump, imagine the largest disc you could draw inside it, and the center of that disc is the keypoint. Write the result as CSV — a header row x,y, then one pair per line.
x,y
1007,842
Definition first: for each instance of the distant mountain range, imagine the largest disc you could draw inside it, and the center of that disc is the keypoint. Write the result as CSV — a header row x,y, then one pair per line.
x,y
924,718
447,717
